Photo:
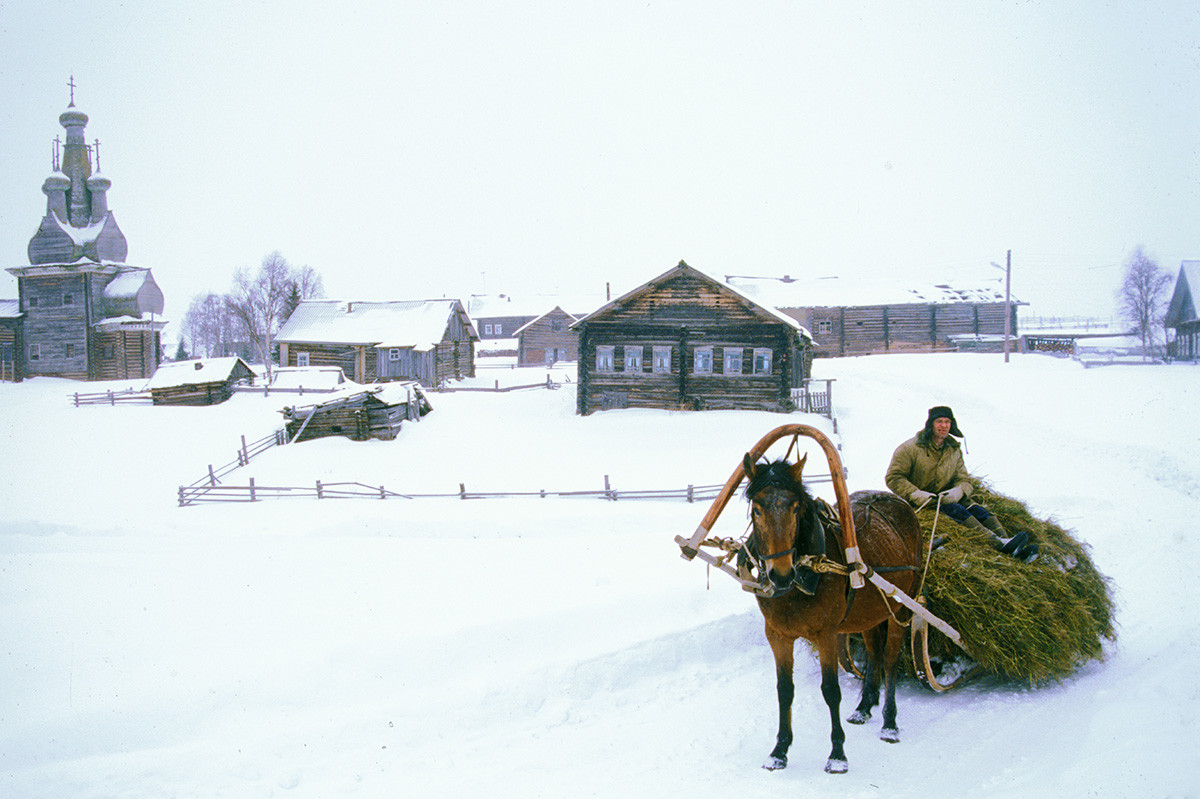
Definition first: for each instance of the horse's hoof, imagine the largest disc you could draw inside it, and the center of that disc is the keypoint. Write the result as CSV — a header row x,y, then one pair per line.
x,y
775,763
833,766
859,717
890,734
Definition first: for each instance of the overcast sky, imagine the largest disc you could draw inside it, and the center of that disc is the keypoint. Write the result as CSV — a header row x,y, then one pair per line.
x,y
424,149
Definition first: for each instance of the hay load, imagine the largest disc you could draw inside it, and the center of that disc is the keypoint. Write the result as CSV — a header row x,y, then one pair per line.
x,y
1035,622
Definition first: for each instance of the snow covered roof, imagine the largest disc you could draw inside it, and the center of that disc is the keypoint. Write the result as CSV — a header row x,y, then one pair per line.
x,y
836,292
488,306
683,268
192,373
543,316
10,309
1182,307
420,324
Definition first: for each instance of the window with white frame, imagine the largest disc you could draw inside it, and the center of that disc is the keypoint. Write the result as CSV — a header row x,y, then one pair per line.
x,y
702,361
302,359
604,358
35,352
487,329
394,354
498,329
633,358
733,360
662,360
824,326
762,361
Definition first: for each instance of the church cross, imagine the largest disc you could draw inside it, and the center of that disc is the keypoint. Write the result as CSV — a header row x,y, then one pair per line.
x,y
97,145
54,160
71,83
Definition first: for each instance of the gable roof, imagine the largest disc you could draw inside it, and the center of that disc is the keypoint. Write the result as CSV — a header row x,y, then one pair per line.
x,y
1182,308
420,324
199,372
684,269
558,308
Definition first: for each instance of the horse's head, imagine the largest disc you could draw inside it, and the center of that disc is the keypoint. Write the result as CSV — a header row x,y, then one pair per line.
x,y
783,516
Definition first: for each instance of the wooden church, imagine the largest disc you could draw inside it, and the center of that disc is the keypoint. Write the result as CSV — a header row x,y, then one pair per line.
x,y
82,311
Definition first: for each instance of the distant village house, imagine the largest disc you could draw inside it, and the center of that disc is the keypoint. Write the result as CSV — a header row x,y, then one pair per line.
x,y
547,339
1181,316
424,340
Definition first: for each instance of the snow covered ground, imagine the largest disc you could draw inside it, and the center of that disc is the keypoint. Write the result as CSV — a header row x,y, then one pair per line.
x,y
553,647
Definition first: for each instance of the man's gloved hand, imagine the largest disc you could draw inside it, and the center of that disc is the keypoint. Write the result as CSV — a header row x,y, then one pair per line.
x,y
920,497
952,494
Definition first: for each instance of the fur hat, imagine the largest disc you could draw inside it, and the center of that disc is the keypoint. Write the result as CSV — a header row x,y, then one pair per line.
x,y
942,412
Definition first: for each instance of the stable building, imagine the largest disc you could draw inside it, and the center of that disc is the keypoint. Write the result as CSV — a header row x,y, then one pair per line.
x,y
82,311
429,341
864,317
687,340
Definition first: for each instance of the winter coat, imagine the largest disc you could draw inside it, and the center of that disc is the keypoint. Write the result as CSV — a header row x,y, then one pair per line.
x,y
918,465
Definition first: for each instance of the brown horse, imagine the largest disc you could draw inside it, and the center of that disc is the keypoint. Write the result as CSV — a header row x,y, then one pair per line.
x,y
818,605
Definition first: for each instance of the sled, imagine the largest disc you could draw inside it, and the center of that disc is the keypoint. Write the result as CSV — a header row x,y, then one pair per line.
x,y
732,561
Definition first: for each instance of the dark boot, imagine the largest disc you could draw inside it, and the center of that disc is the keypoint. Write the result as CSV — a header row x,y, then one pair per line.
x,y
1027,553
993,528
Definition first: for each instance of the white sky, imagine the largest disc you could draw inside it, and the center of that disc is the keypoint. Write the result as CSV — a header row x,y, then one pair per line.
x,y
410,150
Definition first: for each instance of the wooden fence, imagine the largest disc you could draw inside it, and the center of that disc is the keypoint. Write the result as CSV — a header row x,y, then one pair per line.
x,y
810,398
111,397
211,481
252,492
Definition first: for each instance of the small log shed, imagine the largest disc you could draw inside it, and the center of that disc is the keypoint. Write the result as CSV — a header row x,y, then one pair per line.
x,y
206,381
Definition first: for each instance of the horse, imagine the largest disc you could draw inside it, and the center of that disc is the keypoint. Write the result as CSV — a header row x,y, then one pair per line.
x,y
818,605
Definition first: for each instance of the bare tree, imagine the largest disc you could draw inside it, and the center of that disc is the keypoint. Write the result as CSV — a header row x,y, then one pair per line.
x,y
208,325
260,304
1142,298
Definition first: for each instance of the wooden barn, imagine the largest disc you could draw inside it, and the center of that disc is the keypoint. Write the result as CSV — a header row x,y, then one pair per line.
x,y
849,317
548,339
424,340
688,340
206,381
1181,314
359,416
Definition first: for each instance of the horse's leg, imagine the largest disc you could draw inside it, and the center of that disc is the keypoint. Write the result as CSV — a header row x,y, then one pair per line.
x,y
783,649
891,654
827,649
873,643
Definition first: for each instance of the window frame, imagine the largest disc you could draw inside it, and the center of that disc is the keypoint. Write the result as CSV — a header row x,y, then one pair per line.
x,y
35,352
770,360
302,358
702,365
725,360
606,358
639,358
657,361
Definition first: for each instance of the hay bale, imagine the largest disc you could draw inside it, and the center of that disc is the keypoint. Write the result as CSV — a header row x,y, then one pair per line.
x,y
1030,622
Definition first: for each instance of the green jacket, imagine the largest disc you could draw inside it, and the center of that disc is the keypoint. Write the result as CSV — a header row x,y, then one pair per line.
x,y
918,465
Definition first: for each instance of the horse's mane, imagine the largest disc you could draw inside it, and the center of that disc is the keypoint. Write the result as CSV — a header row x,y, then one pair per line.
x,y
778,474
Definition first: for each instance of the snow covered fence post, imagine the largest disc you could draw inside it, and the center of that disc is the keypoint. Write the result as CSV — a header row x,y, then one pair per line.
x,y
252,499
245,455
320,494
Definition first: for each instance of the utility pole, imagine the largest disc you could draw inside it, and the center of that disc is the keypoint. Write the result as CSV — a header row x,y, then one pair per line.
x,y
1007,302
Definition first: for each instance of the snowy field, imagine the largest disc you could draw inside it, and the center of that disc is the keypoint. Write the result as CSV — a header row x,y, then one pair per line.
x,y
553,647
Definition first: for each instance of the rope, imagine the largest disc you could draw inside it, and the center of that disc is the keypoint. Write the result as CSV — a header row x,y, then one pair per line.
x,y
929,549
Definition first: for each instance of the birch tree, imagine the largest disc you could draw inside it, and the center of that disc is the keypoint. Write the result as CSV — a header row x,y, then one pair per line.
x,y
1142,298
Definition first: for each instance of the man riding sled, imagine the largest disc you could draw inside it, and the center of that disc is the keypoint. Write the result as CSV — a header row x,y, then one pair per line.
x,y
930,464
